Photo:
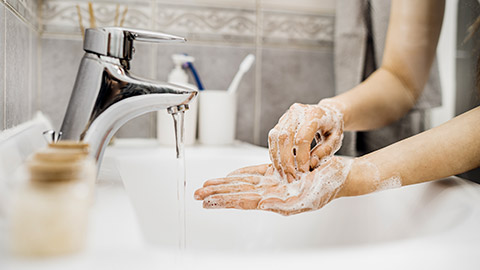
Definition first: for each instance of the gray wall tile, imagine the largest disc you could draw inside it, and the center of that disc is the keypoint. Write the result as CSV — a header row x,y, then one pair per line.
x,y
141,127
18,107
290,76
2,67
217,65
59,66
143,62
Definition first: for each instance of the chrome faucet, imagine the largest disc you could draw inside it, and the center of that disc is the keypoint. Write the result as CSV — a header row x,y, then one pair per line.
x,y
106,95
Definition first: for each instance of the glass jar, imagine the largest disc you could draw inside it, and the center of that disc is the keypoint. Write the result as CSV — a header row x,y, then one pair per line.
x,y
49,211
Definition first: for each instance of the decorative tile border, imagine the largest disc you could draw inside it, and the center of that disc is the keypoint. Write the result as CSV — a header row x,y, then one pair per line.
x,y
61,17
285,28
207,23
197,22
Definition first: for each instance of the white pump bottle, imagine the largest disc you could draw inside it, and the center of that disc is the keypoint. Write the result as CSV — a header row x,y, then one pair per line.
x,y
165,132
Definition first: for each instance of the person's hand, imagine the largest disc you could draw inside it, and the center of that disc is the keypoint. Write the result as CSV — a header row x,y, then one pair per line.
x,y
290,140
261,187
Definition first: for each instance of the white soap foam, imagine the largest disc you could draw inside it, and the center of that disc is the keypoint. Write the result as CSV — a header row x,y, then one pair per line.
x,y
390,183
314,189
379,183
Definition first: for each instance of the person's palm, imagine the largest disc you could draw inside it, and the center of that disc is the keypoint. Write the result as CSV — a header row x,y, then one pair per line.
x,y
261,187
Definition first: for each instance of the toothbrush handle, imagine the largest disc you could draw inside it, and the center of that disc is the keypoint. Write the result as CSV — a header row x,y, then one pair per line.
x,y
195,75
236,80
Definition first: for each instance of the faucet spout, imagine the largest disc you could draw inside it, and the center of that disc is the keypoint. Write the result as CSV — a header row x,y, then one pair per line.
x,y
106,96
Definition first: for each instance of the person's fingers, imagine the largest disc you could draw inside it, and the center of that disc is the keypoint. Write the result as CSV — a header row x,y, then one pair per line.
x,y
303,139
236,200
273,149
204,192
332,140
287,162
253,170
286,125
250,179
270,171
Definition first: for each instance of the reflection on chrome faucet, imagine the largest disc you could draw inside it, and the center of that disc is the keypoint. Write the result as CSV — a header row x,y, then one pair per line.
x,y
106,96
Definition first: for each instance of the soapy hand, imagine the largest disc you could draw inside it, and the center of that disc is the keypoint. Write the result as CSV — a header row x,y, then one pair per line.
x,y
261,187
290,140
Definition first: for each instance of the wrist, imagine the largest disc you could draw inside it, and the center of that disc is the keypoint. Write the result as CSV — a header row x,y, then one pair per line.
x,y
365,177
358,180
336,106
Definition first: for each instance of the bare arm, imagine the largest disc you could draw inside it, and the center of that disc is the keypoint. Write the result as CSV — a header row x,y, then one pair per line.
x,y
392,90
449,149
387,95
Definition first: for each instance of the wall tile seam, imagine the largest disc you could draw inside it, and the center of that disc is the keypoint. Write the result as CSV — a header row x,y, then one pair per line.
x,y
4,66
30,73
21,18
247,7
208,6
258,72
26,7
47,35
153,68
38,76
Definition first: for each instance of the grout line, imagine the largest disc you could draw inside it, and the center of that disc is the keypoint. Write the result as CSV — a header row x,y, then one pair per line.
x,y
258,73
39,12
4,67
30,71
38,76
153,67
19,16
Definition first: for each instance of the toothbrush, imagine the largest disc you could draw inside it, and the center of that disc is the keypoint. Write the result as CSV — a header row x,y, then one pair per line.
x,y
244,67
189,65
195,75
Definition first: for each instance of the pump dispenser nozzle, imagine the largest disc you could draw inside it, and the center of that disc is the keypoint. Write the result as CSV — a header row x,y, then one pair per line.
x,y
178,75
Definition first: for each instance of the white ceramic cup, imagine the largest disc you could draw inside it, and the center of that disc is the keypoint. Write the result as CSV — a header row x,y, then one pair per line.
x,y
217,117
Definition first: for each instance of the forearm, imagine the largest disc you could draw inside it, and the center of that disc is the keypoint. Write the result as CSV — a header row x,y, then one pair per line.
x,y
449,149
391,91
377,102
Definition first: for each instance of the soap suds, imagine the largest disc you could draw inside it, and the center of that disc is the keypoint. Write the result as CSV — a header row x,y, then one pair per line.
x,y
312,191
390,183
327,123
372,173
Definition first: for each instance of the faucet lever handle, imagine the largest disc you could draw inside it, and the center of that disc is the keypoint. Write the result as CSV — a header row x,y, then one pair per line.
x,y
155,37
117,42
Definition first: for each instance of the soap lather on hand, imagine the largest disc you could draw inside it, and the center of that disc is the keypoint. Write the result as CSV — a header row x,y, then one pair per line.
x,y
299,179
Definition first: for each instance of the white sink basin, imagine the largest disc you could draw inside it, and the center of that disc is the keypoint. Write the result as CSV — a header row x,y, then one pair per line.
x,y
428,226
438,211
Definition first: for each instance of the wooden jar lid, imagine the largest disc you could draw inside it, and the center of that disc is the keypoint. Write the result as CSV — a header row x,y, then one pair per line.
x,y
62,162
70,145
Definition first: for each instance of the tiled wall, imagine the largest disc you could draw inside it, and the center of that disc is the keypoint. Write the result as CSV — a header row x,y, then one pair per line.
x,y
293,45
19,36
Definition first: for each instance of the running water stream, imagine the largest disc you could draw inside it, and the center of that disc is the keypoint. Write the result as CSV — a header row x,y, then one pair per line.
x,y
178,119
